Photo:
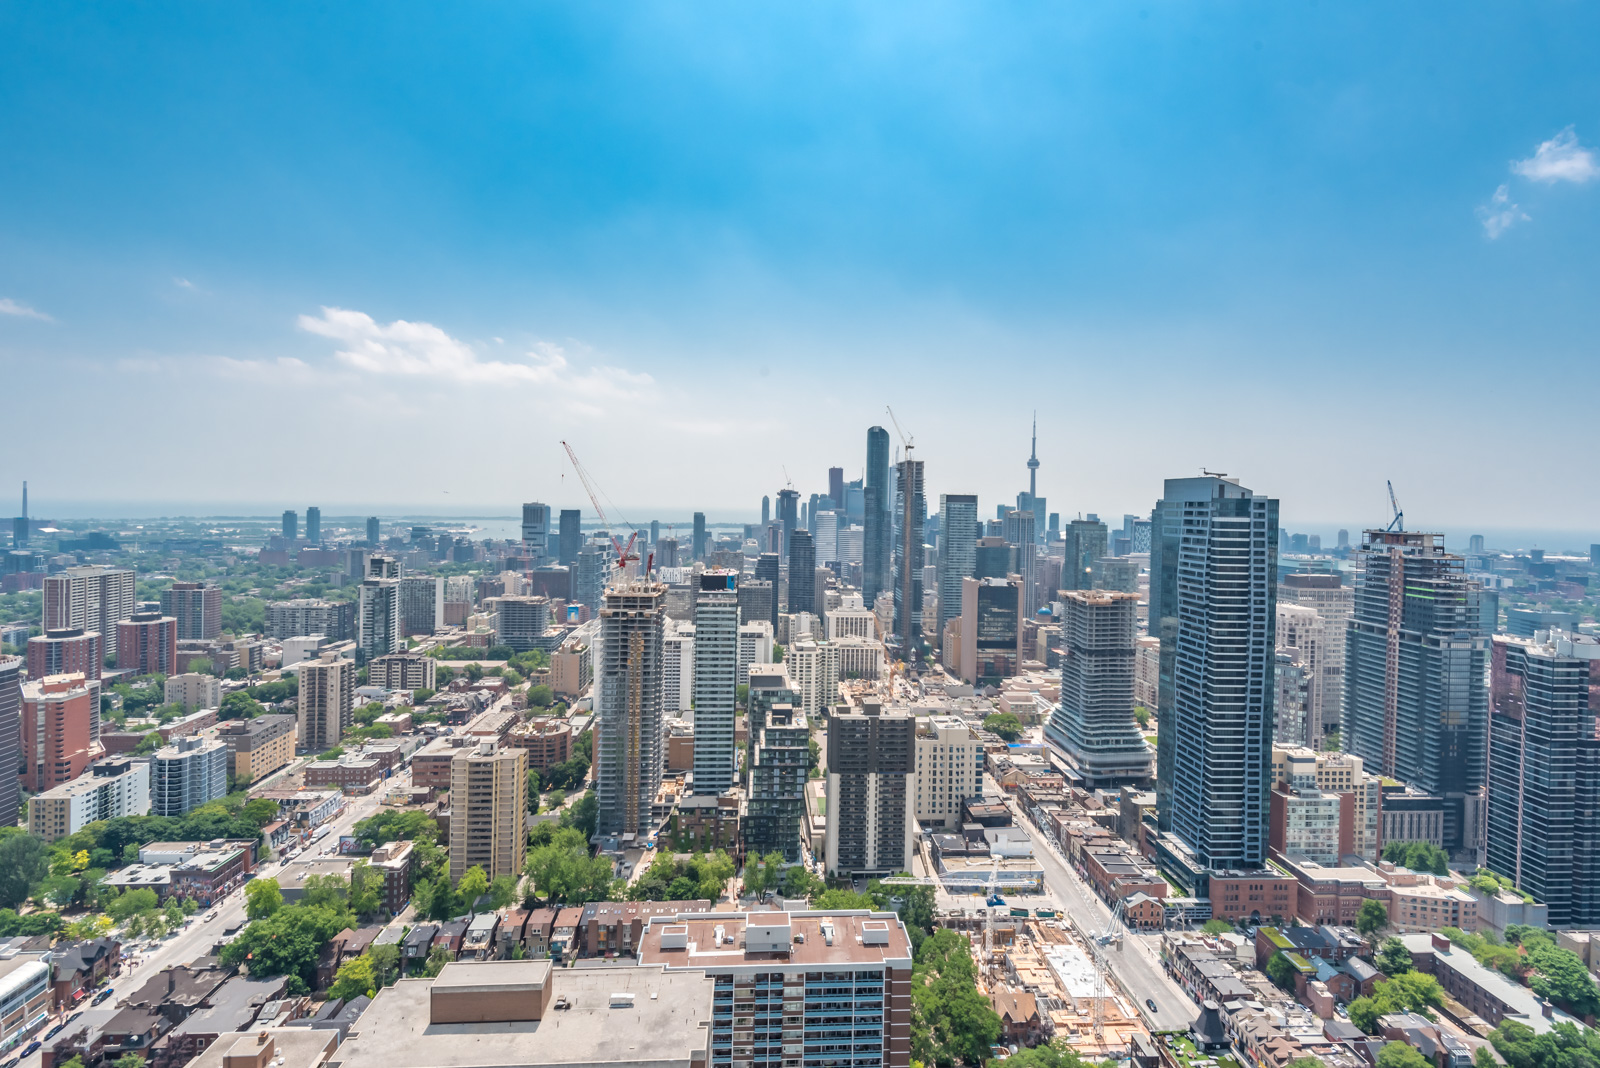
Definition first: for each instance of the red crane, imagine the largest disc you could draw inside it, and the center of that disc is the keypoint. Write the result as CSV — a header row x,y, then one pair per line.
x,y
624,553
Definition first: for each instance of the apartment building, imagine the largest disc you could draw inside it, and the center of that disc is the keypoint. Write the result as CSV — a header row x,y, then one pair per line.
x,y
402,671
326,702
193,691
571,669
147,644
260,746
187,774
115,787
59,714
871,790
197,606
488,798
89,598
949,769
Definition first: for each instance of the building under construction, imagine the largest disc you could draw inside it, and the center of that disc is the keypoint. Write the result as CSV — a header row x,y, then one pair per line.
x,y
1416,706
627,688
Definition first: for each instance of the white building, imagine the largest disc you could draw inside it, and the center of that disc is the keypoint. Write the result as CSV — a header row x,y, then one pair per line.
x,y
755,645
1335,604
825,529
859,658
851,540
851,618
379,628
118,786
949,769
814,668
187,774
677,667
193,691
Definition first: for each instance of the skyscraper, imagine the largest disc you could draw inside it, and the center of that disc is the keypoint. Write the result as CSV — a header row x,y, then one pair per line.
x,y
191,772
374,531
148,644
802,572
489,801
326,702
536,531
571,535
90,598
422,604
59,713
911,508
1334,603
378,631
699,535
1416,656
1213,598
314,525
11,737
197,606
958,551
992,613
655,532
1085,541
788,517
1544,772
778,765
871,808
1093,722
291,526
594,570
766,509
993,557
19,529
836,487
769,569
716,680
627,691
1020,532
877,549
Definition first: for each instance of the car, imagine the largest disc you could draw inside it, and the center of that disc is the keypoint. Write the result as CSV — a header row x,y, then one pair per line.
x,y
54,1031
74,1016
1150,1003
31,1048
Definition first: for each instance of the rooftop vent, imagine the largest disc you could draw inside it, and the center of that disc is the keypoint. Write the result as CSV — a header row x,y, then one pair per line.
x,y
622,999
874,932
675,936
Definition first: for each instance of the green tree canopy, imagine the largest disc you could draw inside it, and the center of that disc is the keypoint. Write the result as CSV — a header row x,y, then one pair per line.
x,y
356,978
1418,856
1216,927
1372,917
1393,959
951,1021
1400,1055
1004,724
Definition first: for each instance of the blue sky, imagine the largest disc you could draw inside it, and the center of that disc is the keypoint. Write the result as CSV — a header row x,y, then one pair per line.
x,y
357,253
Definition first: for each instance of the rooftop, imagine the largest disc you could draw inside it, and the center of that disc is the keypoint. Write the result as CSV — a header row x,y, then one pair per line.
x,y
300,1047
1527,1006
798,938
628,1016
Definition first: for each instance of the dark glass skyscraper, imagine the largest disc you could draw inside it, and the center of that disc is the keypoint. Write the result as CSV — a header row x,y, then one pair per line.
x,y
1085,541
958,551
699,535
876,550
788,517
571,536
911,510
291,526
314,525
374,531
802,572
1213,602
767,569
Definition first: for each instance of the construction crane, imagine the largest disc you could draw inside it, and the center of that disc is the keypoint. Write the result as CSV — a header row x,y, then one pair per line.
x,y
625,553
1102,965
1398,523
908,491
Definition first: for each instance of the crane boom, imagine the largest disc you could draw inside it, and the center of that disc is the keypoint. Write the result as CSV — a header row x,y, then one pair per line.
x,y
909,443
1398,523
624,552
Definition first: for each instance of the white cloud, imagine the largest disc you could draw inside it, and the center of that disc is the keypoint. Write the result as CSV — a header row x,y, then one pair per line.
x,y
422,350
1500,214
22,311
183,283
1560,159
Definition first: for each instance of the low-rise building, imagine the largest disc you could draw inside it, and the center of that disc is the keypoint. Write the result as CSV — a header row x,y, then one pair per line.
x,y
352,775
1484,992
548,741
117,786
193,691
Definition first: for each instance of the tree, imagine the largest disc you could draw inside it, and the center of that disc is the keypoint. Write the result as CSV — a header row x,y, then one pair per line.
x,y
356,978
1418,856
149,744
262,897
128,1060
1004,724
1485,1058
533,790
1400,1055
951,1020
1364,1013
131,903
1373,917
1281,970
1306,1062
74,1061
502,891
1394,959
287,943
584,815
438,957
1216,927
385,963
1560,975
260,811
541,696
473,885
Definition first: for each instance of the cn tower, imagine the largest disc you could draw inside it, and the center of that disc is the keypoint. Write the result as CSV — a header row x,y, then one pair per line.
x,y
1033,462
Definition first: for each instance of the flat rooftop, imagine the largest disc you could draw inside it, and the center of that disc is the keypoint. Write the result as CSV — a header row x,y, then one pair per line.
x,y
300,1047
665,1024
857,938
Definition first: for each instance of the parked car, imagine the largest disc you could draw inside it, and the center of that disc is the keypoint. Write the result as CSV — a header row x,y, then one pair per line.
x,y
30,1049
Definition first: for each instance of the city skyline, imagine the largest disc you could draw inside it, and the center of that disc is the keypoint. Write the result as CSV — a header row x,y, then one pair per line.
x,y
845,208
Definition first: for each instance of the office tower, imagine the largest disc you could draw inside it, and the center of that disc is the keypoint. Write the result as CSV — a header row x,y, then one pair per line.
x,y
1093,722
756,597
57,731
326,702
374,532
488,801
825,535
628,706
305,616
91,598
19,526
65,652
1300,650
1085,542
291,527
421,604
314,525
1334,604
992,613
191,772
535,531
1544,771
677,667
197,606
667,552
876,498
1020,533
112,789
768,569
766,509
1417,654
521,623
949,769
779,765
571,539
1474,543
851,542
192,691
993,557
802,572
871,808
716,680
958,551
1213,600
10,737
379,627
147,644
699,535
911,509
594,571
788,517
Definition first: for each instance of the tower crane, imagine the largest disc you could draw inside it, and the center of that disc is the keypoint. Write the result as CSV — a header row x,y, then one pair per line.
x,y
625,553
1398,523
